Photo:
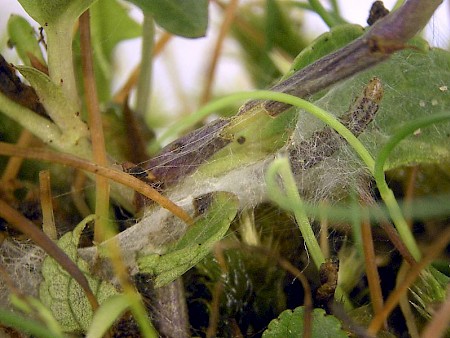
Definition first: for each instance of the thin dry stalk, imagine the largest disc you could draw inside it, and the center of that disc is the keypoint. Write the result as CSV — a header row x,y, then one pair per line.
x,y
113,174
230,13
405,306
373,277
96,128
393,299
77,193
14,163
45,194
215,311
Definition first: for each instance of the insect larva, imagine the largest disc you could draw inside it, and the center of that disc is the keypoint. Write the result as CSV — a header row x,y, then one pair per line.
x,y
324,143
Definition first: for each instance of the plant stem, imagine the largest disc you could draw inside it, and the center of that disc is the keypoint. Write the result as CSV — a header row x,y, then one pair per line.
x,y
373,278
171,313
291,200
60,58
386,36
398,4
14,163
145,75
335,7
120,96
324,14
135,300
96,127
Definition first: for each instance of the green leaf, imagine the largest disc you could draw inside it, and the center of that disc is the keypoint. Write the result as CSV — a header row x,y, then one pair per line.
x,y
51,11
281,30
111,24
219,210
58,19
264,29
61,110
187,18
290,324
255,135
415,85
24,38
107,314
337,37
59,291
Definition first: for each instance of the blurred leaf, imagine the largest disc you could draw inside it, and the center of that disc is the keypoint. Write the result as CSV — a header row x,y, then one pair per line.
x,y
262,30
63,295
107,314
33,307
258,61
290,324
281,30
24,38
219,210
187,18
30,326
110,25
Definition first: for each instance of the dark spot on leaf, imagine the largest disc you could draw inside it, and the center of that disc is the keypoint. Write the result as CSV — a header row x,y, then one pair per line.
x,y
202,203
241,140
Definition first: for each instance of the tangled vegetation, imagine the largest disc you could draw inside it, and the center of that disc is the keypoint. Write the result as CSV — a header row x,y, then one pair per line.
x,y
318,208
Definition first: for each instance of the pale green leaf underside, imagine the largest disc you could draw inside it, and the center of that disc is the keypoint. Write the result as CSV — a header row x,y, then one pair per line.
x,y
195,244
63,295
